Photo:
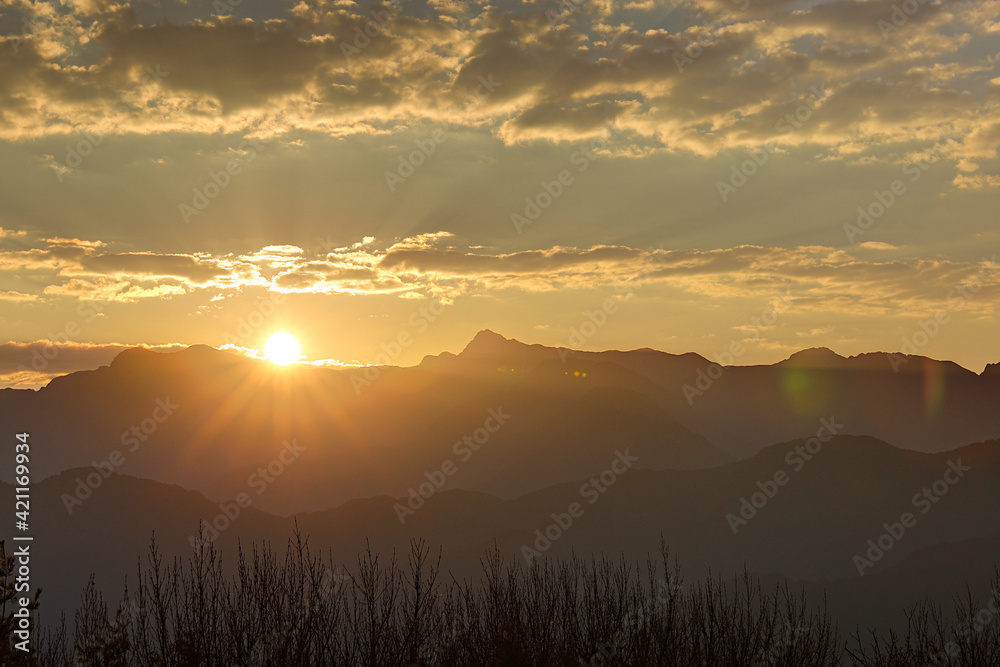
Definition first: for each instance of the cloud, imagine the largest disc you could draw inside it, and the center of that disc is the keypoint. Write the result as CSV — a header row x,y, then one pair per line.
x,y
878,245
50,258
456,263
17,296
438,264
722,75
976,181
31,365
196,270
239,65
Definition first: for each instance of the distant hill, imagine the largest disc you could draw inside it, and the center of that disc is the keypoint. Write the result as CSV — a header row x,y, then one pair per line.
x,y
384,430
809,531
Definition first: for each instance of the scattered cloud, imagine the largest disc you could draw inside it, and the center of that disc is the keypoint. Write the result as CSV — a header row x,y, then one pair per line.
x,y
716,76
878,245
821,277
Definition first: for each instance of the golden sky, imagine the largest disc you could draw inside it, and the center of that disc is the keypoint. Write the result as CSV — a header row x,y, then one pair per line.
x,y
686,174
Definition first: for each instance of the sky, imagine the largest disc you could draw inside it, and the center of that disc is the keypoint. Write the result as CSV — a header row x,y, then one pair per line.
x,y
593,174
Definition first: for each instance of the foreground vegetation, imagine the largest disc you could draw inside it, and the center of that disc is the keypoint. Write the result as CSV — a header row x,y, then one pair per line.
x,y
302,610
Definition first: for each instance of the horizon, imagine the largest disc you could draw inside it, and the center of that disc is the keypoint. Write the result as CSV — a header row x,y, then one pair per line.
x,y
934,336
37,351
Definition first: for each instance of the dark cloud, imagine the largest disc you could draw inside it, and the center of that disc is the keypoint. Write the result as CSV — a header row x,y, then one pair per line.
x,y
32,364
187,267
239,64
721,76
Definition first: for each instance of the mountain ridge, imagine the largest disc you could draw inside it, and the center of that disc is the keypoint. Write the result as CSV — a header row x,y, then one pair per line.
x,y
687,507
569,413
487,343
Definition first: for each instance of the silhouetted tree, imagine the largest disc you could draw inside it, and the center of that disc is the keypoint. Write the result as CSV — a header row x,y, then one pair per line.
x,y
304,611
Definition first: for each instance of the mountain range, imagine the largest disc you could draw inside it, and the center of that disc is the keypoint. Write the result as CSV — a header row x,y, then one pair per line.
x,y
361,438
539,451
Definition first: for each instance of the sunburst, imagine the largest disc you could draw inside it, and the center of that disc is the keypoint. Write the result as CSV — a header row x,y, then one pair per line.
x,y
282,348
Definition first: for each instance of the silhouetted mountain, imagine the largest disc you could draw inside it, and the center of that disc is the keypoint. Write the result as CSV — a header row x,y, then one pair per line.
x,y
211,420
814,358
940,572
809,529
230,415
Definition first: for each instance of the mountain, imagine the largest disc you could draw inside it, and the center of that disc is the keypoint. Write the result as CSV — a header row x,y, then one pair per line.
x,y
211,421
808,530
501,417
927,404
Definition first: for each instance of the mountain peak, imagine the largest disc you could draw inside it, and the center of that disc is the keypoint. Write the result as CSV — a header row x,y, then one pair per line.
x,y
814,357
132,355
141,354
199,358
487,336
491,349
488,341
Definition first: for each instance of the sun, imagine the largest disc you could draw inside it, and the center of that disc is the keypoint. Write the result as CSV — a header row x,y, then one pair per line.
x,y
282,348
